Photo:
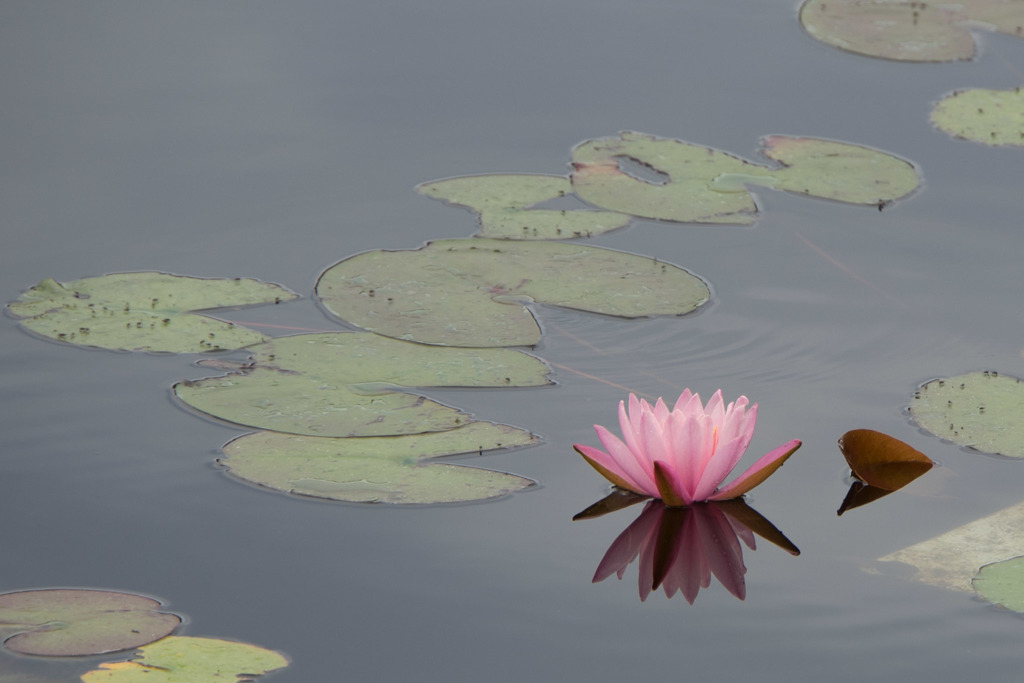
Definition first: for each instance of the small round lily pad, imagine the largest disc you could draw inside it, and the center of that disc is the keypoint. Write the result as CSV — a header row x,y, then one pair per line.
x,y
990,117
981,410
69,622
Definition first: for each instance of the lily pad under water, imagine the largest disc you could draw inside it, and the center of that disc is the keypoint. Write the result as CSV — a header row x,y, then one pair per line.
x,y
68,622
1002,583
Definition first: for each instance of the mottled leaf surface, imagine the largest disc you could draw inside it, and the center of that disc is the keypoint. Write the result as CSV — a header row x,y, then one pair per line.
x,y
473,292
181,659
143,311
68,622
909,31
354,384
981,410
378,470
689,183
504,204
991,117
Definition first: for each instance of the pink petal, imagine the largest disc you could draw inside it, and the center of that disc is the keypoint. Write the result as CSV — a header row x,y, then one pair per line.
x,y
670,490
625,461
723,462
758,472
627,546
683,399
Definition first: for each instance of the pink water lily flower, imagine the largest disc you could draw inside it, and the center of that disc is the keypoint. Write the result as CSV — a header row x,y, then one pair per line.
x,y
682,456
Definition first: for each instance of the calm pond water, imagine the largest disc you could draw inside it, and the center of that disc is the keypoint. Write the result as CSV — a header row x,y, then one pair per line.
x,y
270,140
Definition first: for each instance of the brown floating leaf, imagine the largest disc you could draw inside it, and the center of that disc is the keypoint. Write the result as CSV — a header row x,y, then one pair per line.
x,y
882,461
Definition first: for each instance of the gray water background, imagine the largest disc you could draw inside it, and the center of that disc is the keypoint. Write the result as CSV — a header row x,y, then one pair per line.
x,y
270,140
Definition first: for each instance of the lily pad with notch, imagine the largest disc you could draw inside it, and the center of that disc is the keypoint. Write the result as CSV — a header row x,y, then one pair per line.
x,y
504,203
699,184
908,31
983,411
475,292
354,384
144,311
388,469
74,622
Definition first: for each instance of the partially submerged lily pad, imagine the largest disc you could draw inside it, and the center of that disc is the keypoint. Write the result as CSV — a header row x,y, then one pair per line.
x,y
980,410
950,560
909,31
181,659
1002,583
354,384
69,622
144,311
381,469
503,203
991,117
473,292
704,185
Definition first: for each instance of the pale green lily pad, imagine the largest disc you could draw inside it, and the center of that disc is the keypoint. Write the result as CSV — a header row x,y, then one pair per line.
x,y
353,384
144,311
909,31
708,186
503,203
1002,583
686,196
181,659
473,292
991,117
378,470
68,622
980,410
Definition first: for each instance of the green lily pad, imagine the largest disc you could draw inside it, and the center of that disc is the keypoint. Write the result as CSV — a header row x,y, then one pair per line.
x,y
181,659
353,384
67,622
708,186
980,410
143,311
1002,583
503,203
909,31
685,196
387,469
473,292
991,117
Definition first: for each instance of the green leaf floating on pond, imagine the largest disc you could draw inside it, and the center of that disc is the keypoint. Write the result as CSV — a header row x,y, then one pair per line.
x,y
991,117
352,384
909,31
981,410
182,659
1002,583
699,184
143,311
472,292
503,203
69,622
378,470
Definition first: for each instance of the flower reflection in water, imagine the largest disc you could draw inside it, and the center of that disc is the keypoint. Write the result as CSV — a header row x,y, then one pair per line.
x,y
681,548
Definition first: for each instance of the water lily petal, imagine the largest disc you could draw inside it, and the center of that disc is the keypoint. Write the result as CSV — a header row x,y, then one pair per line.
x,y
758,472
628,544
608,468
625,461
